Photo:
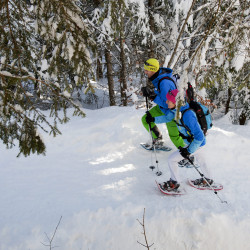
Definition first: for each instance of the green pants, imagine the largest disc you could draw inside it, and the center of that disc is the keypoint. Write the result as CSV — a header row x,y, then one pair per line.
x,y
171,126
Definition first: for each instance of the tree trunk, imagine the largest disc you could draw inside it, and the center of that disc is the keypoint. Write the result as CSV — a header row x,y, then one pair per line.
x,y
229,95
99,72
36,89
123,81
110,76
242,118
97,3
151,47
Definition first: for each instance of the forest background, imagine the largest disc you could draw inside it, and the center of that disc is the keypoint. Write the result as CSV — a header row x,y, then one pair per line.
x,y
90,54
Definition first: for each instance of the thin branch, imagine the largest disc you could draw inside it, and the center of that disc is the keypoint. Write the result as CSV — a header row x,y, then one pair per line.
x,y
52,238
144,232
180,34
211,25
109,38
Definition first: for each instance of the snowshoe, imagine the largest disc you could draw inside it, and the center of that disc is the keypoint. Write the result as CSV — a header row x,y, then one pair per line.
x,y
158,147
170,188
185,163
201,184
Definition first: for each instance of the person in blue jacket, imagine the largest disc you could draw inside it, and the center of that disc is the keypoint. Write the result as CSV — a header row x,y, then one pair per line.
x,y
162,80
194,146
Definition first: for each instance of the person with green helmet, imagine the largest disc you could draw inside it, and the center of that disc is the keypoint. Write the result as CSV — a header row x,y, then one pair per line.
x,y
162,80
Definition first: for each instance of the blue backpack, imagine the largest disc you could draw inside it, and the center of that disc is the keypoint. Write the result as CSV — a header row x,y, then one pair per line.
x,y
203,116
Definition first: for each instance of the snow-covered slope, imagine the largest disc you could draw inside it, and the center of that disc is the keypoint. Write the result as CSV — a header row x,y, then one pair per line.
x,y
97,177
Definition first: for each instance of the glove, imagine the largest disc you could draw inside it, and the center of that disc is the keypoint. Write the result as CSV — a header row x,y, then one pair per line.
x,y
188,138
149,118
152,96
146,91
184,152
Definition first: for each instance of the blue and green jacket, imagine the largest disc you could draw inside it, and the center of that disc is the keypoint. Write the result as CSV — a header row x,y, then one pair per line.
x,y
163,88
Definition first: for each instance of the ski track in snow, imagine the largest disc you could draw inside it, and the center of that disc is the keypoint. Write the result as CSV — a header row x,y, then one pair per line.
x,y
97,177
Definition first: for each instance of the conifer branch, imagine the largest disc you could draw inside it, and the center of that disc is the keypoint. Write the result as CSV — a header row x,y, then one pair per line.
x,y
211,23
180,33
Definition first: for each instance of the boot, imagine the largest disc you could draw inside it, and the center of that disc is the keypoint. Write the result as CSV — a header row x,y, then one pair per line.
x,y
202,183
157,132
171,185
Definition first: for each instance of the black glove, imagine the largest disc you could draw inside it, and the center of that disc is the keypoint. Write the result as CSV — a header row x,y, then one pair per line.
x,y
152,96
184,152
146,91
149,118
188,138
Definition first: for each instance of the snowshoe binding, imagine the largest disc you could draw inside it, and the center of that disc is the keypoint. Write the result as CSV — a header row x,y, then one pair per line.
x,y
185,163
156,145
207,184
170,187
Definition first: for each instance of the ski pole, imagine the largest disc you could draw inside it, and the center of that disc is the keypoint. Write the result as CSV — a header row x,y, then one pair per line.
x,y
152,166
158,173
203,177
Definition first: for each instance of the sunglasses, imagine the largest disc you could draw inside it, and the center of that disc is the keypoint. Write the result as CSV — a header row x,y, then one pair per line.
x,y
147,64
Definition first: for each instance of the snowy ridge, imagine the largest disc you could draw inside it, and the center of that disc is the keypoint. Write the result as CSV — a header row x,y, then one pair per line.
x,y
97,177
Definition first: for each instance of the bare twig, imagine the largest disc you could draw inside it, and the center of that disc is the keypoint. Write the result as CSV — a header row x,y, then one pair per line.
x,y
144,232
50,240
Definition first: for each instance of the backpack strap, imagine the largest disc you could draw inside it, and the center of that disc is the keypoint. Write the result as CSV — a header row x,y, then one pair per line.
x,y
200,115
182,123
168,78
190,137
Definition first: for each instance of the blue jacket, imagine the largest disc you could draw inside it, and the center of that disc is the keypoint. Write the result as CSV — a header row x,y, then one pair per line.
x,y
190,120
165,86
168,117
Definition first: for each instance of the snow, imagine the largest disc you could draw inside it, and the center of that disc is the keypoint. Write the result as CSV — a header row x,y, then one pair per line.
x,y
2,60
239,60
182,6
66,94
70,49
97,177
159,20
5,73
44,65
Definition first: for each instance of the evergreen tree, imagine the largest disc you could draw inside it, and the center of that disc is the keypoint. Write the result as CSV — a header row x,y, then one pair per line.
x,y
109,20
101,22
44,47
212,48
227,58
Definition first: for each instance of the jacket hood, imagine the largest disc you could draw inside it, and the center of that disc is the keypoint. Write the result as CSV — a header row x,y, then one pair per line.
x,y
163,72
